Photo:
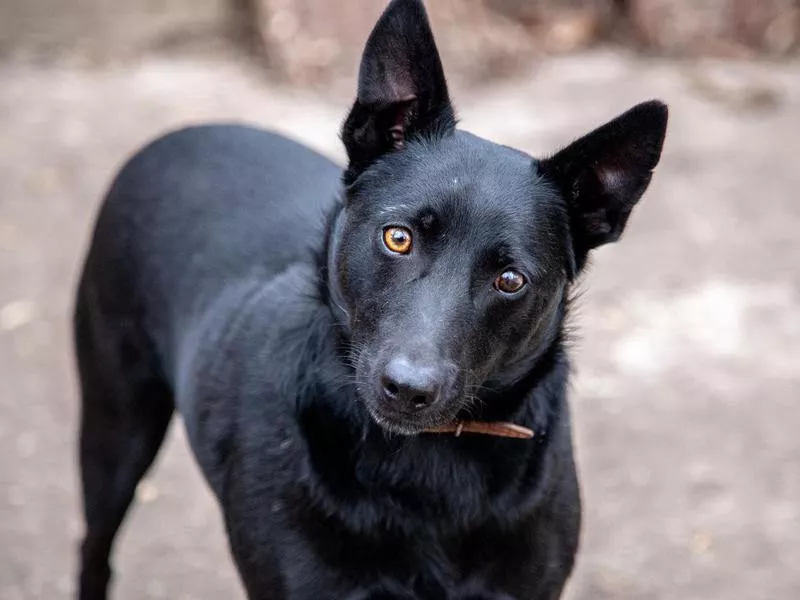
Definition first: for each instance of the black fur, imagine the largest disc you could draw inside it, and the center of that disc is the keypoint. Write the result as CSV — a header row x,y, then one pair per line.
x,y
239,278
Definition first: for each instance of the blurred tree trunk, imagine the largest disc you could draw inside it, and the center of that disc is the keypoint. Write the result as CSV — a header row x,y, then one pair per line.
x,y
312,41
728,27
304,40
307,39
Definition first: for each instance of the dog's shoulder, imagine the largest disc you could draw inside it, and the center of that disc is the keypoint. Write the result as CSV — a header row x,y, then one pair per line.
x,y
248,360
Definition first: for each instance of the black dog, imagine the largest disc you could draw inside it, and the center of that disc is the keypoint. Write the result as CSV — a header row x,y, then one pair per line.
x,y
317,362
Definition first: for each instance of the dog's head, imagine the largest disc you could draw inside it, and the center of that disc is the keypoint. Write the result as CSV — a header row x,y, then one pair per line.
x,y
453,256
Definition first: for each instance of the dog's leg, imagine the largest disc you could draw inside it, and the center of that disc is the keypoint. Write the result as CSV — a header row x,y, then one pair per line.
x,y
125,414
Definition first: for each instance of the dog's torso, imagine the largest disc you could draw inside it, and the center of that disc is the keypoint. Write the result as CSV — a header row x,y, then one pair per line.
x,y
212,234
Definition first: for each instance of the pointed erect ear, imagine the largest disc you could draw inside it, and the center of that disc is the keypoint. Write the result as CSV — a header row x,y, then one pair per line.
x,y
603,174
401,87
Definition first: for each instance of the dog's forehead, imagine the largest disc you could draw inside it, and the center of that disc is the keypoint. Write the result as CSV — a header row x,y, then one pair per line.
x,y
464,178
466,159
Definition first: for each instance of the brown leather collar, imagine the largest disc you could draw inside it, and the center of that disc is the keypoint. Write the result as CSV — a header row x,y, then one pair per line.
x,y
499,429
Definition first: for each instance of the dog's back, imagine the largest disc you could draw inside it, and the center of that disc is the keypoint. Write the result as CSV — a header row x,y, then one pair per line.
x,y
195,224
201,211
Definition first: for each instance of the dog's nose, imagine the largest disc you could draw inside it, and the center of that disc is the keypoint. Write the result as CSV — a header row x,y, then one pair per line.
x,y
415,385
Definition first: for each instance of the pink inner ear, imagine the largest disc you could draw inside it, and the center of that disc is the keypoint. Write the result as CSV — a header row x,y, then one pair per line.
x,y
611,178
398,129
398,86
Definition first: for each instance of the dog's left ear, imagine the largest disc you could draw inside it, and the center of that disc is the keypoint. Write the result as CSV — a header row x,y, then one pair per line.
x,y
401,87
603,174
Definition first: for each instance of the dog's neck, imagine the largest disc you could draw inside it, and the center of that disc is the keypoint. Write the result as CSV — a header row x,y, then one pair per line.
x,y
331,290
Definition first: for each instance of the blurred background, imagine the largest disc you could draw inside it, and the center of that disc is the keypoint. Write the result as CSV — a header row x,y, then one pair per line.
x,y
685,397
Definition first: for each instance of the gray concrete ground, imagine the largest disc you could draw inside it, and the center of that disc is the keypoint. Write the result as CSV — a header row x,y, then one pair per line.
x,y
686,391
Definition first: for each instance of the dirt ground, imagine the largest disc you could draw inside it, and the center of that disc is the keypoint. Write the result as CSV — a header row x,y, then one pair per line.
x,y
686,388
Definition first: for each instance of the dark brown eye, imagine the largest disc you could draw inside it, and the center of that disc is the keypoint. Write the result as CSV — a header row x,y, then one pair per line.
x,y
397,239
509,282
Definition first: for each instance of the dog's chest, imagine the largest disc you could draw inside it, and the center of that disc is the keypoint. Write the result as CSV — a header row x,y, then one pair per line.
x,y
423,566
377,550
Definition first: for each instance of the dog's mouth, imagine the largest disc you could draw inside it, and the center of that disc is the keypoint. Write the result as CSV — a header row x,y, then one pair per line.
x,y
401,423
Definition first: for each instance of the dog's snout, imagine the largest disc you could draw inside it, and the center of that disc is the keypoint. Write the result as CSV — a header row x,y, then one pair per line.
x,y
412,385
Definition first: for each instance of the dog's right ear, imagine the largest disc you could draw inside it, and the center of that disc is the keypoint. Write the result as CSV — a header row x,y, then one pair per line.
x,y
604,174
402,89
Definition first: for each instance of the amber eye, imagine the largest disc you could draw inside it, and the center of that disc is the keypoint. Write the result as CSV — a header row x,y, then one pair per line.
x,y
510,282
397,239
